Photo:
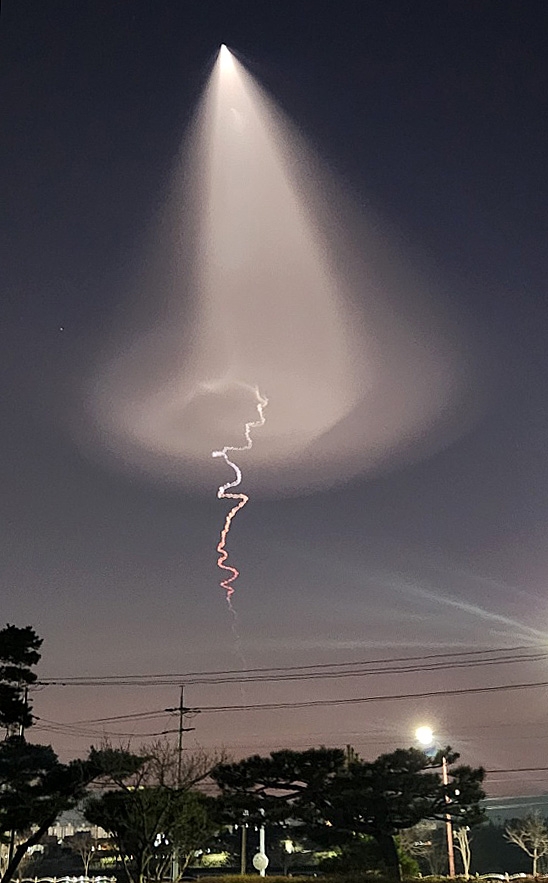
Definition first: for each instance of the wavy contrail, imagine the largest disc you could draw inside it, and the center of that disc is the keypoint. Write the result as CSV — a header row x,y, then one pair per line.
x,y
227,583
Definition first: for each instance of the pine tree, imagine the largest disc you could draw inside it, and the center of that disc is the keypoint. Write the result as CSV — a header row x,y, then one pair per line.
x,y
19,652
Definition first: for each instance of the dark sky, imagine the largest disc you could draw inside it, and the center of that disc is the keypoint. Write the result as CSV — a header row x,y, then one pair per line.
x,y
432,114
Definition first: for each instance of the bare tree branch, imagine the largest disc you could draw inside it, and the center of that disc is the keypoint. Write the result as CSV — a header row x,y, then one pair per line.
x,y
531,835
461,837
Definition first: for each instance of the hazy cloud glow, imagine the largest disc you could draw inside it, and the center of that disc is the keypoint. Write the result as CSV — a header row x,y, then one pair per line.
x,y
278,302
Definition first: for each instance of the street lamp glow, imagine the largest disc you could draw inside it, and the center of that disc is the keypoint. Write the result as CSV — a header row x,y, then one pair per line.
x,y
424,735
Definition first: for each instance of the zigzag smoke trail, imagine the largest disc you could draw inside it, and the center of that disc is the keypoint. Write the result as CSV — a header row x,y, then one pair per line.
x,y
227,583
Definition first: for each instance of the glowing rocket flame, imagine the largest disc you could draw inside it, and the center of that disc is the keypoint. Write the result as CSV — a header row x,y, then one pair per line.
x,y
227,583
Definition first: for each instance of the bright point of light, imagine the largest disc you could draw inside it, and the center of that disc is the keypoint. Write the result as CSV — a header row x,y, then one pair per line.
x,y
424,735
225,57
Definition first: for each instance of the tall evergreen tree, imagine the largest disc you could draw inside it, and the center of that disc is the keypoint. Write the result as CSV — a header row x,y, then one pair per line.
x,y
34,786
19,652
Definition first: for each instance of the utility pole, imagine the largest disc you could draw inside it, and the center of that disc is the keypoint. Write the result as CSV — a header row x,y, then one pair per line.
x,y
181,729
448,822
426,737
180,736
181,710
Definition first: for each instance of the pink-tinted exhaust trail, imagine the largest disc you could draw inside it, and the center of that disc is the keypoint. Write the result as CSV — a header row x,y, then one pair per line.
x,y
228,582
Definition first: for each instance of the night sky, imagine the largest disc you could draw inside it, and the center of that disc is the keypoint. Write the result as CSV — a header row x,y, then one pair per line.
x,y
432,117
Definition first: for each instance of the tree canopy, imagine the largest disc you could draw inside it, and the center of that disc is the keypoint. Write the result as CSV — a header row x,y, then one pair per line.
x,y
18,654
155,809
35,787
340,800
158,813
150,824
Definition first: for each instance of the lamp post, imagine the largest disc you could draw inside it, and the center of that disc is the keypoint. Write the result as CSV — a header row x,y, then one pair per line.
x,y
243,848
426,737
260,859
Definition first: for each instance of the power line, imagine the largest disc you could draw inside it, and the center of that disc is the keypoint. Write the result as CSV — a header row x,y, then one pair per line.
x,y
83,734
313,672
323,675
104,679
328,675
317,703
137,715
73,729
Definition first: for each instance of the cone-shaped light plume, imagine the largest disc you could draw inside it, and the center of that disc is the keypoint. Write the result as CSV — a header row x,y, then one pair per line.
x,y
271,311
272,281
225,59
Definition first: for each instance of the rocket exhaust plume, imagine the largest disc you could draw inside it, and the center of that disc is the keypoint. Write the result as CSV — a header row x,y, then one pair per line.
x,y
228,582
263,273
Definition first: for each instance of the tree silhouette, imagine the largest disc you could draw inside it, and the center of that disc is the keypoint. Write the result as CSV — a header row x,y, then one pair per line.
x,y
341,799
35,787
531,835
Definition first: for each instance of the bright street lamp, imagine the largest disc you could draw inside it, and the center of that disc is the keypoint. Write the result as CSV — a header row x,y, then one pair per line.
x,y
425,736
